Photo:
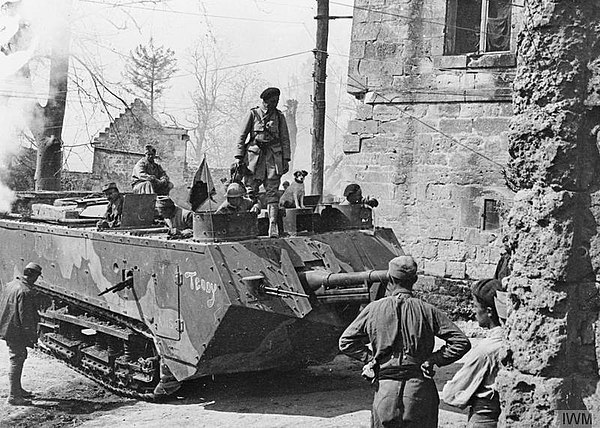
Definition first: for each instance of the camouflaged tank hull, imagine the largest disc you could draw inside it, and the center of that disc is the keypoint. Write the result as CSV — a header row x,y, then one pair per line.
x,y
191,299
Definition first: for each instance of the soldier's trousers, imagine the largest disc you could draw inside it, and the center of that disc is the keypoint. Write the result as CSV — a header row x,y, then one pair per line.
x,y
17,354
146,187
271,187
410,403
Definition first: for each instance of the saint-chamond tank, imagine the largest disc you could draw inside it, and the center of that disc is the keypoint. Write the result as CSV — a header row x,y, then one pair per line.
x,y
140,312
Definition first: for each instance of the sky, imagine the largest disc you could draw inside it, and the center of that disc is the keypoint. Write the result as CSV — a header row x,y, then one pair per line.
x,y
250,31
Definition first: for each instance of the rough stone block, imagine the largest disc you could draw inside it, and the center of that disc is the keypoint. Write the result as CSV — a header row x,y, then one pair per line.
x,y
456,126
351,143
451,110
429,249
475,236
438,192
355,126
452,251
480,271
525,399
493,60
364,31
458,234
447,81
456,270
450,61
385,113
364,112
442,232
363,126
490,125
356,87
434,268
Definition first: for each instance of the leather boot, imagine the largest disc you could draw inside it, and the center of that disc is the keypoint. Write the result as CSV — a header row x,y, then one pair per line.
x,y
273,214
15,370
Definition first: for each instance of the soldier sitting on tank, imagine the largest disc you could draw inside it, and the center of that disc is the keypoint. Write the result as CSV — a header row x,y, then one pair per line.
x,y
179,221
114,210
150,177
237,202
353,195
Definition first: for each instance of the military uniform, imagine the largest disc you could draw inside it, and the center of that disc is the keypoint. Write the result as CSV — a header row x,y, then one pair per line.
x,y
267,150
113,215
142,178
18,327
401,330
181,219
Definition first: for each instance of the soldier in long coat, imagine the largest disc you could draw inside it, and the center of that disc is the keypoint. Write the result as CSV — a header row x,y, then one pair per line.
x,y
18,327
264,148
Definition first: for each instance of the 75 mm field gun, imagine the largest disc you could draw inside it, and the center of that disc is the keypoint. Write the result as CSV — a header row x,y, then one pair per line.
x,y
140,313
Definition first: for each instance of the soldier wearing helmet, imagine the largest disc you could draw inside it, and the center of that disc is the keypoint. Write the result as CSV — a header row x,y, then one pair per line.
x,y
237,202
179,221
18,327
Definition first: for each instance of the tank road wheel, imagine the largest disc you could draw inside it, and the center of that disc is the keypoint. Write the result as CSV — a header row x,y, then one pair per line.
x,y
108,351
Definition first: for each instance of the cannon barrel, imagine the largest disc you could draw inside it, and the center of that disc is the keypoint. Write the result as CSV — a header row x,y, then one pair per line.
x,y
315,279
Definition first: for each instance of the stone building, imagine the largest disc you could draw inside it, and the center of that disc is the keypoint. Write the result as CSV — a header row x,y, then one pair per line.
x,y
121,145
430,139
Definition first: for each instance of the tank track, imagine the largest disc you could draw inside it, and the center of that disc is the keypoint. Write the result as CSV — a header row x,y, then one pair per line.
x,y
112,321
124,392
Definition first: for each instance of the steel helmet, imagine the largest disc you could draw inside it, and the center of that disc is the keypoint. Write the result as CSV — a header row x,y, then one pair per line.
x,y
235,190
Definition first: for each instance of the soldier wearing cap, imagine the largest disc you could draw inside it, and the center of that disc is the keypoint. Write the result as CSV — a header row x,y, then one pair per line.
x,y
150,177
237,202
114,209
474,385
179,221
18,327
264,148
353,196
401,330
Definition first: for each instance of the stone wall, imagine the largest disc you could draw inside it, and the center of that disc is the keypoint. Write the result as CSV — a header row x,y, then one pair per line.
x,y
430,139
121,145
76,180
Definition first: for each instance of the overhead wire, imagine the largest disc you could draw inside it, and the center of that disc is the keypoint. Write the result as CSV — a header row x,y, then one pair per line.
x,y
433,128
180,12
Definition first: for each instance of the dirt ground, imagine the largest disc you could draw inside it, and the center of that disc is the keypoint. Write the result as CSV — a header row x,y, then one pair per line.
x,y
329,395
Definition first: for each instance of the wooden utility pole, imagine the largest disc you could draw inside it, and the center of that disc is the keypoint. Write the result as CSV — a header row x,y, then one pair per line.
x,y
319,76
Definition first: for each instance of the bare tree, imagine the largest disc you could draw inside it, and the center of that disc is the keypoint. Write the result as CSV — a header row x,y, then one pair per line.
x,y
221,99
210,84
148,69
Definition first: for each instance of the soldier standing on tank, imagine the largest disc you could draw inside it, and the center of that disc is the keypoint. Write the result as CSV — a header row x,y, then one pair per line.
x,y
264,148
18,327
148,176
401,330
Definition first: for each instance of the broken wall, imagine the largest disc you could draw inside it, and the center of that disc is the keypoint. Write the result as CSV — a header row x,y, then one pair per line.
x,y
121,145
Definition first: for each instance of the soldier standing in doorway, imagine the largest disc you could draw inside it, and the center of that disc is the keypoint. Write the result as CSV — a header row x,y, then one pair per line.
x,y
264,148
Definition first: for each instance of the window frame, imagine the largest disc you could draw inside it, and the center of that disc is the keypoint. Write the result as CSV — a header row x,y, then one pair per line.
x,y
450,30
